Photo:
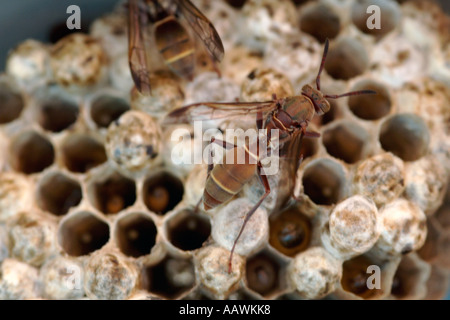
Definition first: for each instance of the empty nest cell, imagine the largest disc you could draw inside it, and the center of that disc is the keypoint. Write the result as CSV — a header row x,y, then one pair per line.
x,y
264,274
324,182
405,135
57,193
11,103
82,153
310,146
320,21
347,58
346,141
409,282
135,234
82,233
169,278
30,152
236,3
57,113
370,107
105,109
188,230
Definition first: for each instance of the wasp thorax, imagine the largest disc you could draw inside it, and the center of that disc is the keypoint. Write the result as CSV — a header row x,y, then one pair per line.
x,y
321,105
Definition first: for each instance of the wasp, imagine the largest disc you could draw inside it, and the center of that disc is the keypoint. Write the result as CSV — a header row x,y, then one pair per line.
x,y
172,40
289,115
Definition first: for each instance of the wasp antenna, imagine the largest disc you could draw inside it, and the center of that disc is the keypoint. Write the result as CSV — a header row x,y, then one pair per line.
x,y
353,93
325,51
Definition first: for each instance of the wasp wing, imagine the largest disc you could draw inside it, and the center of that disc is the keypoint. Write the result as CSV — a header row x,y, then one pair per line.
x,y
137,51
213,110
203,28
290,159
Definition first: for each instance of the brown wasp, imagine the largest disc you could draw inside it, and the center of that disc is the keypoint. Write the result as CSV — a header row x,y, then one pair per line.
x,y
171,39
290,115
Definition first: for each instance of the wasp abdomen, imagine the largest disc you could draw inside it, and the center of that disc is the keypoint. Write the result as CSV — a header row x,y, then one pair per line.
x,y
227,178
176,47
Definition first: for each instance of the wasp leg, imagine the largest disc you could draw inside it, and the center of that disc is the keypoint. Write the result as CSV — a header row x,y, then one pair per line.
x,y
312,134
224,144
299,163
249,214
259,120
216,67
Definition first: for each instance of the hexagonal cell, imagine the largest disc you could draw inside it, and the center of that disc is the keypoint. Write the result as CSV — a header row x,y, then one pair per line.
x,y
106,108
57,113
370,107
82,153
12,103
410,279
162,192
188,230
299,2
309,147
57,193
430,250
290,231
405,135
265,274
135,234
112,193
346,141
346,59
436,249
82,233
236,3
170,278
320,21
324,181
31,152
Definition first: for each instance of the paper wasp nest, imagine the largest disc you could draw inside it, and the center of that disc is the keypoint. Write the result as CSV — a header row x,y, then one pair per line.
x,y
92,205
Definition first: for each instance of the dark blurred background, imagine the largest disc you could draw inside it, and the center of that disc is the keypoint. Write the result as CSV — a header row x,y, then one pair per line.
x,y
39,19
42,19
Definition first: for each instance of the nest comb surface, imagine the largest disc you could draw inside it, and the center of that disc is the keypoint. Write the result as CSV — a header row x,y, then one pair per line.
x,y
94,205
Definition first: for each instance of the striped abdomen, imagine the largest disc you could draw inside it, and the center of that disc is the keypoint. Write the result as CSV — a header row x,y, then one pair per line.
x,y
227,179
176,47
